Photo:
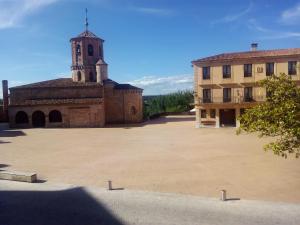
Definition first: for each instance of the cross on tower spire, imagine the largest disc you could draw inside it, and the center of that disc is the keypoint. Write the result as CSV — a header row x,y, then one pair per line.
x,y
86,20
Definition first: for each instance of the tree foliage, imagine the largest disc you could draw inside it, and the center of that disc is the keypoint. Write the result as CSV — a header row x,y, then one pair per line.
x,y
175,102
278,116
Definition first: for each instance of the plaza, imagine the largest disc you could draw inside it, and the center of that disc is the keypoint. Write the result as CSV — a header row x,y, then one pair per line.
x,y
163,155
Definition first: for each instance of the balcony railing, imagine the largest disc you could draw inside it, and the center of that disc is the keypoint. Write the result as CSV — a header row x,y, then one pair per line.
x,y
234,99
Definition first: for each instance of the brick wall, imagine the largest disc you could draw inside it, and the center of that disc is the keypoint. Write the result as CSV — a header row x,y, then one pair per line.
x,y
18,96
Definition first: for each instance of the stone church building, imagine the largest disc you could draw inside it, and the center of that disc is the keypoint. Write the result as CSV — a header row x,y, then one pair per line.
x,y
88,99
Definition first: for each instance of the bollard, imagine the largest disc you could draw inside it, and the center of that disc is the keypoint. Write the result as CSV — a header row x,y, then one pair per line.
x,y
223,195
109,185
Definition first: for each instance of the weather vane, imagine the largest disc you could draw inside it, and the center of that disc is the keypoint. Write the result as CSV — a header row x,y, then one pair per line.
x,y
86,20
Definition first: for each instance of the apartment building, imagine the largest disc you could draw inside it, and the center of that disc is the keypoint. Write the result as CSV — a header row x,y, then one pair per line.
x,y
226,84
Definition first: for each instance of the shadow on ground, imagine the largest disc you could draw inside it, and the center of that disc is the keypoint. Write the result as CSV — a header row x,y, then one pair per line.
x,y
10,133
72,206
3,165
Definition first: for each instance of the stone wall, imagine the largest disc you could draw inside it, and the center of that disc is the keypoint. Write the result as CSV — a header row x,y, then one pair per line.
x,y
79,115
123,106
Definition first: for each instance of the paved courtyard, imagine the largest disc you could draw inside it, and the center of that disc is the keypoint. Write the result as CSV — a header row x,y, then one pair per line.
x,y
165,155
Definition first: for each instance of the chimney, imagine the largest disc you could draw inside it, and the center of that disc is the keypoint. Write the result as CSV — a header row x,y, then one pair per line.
x,y
254,46
5,99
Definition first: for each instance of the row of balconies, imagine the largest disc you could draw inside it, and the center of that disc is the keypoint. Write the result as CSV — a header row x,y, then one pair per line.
x,y
234,99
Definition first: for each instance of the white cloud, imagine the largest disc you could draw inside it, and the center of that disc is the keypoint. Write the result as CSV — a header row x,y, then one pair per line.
x,y
272,34
64,75
234,17
153,11
14,11
291,16
154,85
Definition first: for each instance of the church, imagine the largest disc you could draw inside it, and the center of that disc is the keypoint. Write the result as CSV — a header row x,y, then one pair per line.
x,y
87,99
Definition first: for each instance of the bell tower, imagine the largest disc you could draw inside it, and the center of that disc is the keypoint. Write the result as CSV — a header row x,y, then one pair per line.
x,y
87,51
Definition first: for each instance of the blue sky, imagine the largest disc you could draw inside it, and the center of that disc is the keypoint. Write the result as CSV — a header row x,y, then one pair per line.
x,y
149,43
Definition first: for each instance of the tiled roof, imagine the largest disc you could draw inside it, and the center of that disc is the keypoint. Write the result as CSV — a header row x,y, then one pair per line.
x,y
249,55
60,82
126,87
118,86
68,82
87,34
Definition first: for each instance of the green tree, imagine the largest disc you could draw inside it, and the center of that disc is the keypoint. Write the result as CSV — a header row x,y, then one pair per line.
x,y
278,116
175,102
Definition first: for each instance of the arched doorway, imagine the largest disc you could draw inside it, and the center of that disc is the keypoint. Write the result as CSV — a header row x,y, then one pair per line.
x,y
38,119
21,117
55,116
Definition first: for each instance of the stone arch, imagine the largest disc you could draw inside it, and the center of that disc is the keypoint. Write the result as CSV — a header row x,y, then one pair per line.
x,y
79,76
38,119
55,116
21,117
90,50
78,50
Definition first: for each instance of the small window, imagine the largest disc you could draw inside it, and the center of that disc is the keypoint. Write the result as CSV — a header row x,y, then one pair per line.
x,y
78,50
247,70
90,50
248,94
226,94
203,113
270,69
226,71
212,113
292,67
206,95
206,73
78,76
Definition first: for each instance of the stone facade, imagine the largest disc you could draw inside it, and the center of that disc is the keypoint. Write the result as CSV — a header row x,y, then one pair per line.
x,y
88,99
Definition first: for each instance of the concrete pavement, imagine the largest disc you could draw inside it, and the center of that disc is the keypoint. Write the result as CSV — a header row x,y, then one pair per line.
x,y
47,203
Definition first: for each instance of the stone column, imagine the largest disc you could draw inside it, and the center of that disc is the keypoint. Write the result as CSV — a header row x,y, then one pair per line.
x,y
217,118
198,118
237,114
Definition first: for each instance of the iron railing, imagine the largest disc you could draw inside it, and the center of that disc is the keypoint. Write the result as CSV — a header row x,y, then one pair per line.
x,y
234,99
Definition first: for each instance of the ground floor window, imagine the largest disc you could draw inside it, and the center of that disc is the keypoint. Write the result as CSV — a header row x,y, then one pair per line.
x,y
203,113
21,117
212,113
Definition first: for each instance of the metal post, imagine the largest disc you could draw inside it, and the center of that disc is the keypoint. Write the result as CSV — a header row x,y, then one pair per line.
x,y
223,195
109,185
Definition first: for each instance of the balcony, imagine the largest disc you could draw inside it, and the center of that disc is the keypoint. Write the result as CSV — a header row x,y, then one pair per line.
x,y
234,99
207,100
227,99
